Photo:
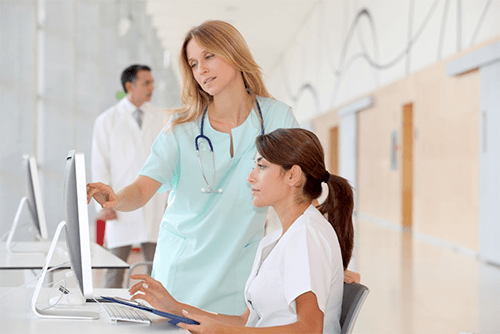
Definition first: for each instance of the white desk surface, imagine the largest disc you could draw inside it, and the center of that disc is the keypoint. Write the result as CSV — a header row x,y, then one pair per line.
x,y
27,257
16,317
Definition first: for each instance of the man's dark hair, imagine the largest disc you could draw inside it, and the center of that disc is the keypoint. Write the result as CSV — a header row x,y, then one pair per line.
x,y
130,74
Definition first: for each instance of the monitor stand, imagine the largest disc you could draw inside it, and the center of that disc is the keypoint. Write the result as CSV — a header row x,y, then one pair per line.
x,y
9,244
69,312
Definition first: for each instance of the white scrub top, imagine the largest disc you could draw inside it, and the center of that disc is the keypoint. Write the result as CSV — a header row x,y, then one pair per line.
x,y
306,258
207,241
119,149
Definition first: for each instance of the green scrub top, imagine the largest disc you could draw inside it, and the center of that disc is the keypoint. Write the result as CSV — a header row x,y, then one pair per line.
x,y
207,241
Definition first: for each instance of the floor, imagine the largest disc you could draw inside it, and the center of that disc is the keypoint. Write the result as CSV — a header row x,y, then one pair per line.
x,y
419,287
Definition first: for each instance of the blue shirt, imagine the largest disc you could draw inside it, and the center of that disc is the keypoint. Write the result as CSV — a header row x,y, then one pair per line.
x,y
207,241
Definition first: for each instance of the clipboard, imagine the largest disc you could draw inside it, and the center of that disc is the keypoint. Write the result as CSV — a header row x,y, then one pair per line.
x,y
174,319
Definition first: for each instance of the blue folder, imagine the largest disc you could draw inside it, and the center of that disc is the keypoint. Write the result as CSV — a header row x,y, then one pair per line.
x,y
174,319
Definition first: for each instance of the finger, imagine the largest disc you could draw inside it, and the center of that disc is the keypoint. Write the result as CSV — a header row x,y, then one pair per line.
x,y
98,185
144,295
88,197
91,192
134,288
151,300
150,281
190,328
141,296
137,296
144,288
109,204
193,316
143,277
182,325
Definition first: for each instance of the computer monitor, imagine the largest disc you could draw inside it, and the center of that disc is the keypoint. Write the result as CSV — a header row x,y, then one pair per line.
x,y
32,200
77,221
76,225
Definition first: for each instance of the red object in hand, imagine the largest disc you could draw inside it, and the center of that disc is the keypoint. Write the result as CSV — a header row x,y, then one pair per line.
x,y
99,231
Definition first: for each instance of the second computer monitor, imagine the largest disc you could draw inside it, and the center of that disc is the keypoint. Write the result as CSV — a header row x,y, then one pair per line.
x,y
34,196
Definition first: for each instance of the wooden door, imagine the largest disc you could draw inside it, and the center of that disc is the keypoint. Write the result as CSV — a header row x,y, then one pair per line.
x,y
334,150
407,172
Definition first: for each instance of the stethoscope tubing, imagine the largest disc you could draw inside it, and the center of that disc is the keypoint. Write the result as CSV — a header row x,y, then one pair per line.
x,y
202,136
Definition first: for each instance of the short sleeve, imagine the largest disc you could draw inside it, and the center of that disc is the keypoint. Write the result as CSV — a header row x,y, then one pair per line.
x,y
277,115
308,265
290,121
163,160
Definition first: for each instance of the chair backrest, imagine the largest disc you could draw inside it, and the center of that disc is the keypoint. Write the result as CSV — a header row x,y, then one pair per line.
x,y
354,297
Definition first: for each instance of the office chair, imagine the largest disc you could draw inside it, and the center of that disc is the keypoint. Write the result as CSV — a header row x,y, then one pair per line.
x,y
353,299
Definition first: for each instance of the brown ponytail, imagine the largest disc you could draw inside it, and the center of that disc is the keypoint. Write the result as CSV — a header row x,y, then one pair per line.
x,y
337,208
289,147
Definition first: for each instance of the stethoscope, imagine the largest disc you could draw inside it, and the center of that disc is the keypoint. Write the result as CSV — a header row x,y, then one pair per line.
x,y
209,188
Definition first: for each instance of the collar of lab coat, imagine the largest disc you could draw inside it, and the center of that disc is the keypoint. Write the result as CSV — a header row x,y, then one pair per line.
x,y
130,107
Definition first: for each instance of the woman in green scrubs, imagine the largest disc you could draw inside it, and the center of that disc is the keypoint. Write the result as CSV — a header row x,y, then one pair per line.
x,y
210,230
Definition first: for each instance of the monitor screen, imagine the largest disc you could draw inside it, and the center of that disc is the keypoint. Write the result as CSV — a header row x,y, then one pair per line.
x,y
77,221
34,196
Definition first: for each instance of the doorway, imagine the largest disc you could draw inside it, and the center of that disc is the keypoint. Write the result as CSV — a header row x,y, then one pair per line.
x,y
407,165
334,150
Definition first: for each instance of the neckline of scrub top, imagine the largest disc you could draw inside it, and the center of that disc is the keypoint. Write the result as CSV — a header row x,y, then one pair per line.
x,y
208,124
216,135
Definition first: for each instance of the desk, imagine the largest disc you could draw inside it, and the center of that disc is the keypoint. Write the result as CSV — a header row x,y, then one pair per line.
x,y
16,317
101,258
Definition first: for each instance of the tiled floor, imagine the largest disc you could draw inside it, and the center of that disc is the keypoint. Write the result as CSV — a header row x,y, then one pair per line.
x,y
419,287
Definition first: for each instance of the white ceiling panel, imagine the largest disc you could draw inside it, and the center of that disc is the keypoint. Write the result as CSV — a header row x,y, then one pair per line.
x,y
267,26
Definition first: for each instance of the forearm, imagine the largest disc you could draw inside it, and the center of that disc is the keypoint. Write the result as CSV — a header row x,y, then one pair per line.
x,y
136,194
236,321
296,327
129,198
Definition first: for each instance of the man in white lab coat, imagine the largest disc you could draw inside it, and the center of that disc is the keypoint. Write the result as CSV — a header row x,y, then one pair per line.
x,y
121,143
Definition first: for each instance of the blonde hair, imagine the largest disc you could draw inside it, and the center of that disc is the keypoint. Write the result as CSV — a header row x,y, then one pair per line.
x,y
224,40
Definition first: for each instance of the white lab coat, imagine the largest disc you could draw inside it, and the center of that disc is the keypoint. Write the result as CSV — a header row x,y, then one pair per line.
x,y
119,149
306,258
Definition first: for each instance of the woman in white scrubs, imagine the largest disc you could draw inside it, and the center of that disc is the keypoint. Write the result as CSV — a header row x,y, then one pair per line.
x,y
296,283
210,230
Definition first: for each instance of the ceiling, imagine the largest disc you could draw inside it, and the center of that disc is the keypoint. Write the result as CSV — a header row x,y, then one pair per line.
x,y
268,26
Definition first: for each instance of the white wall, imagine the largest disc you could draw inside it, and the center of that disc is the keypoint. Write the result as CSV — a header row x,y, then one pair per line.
x,y
323,56
81,55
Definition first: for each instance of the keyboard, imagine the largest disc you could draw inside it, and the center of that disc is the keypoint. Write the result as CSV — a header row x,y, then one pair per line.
x,y
118,312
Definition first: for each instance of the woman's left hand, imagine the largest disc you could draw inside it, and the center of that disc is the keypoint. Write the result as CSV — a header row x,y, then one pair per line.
x,y
351,277
207,324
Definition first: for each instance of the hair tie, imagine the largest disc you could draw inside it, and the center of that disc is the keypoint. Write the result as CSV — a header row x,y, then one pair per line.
x,y
326,178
